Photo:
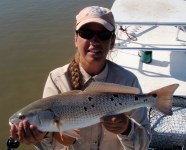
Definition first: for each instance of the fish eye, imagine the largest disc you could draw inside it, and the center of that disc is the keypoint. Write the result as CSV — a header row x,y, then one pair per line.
x,y
21,116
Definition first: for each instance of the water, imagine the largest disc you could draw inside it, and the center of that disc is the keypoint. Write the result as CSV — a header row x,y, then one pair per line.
x,y
36,36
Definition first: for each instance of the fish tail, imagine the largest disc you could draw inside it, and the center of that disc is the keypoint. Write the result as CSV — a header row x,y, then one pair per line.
x,y
164,98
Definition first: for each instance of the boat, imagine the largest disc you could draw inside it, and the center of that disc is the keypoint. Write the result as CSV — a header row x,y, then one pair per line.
x,y
151,43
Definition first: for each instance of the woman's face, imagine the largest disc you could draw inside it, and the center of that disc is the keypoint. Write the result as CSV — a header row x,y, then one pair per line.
x,y
93,50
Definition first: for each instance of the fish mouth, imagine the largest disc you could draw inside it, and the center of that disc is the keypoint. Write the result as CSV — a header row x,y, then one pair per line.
x,y
11,120
10,123
14,119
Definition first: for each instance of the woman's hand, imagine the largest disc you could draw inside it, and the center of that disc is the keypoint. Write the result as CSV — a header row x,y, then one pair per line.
x,y
26,133
117,124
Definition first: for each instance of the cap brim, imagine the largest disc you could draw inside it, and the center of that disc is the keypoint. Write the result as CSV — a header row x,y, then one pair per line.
x,y
107,25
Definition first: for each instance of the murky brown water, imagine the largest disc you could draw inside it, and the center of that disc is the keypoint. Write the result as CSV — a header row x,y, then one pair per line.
x,y
35,37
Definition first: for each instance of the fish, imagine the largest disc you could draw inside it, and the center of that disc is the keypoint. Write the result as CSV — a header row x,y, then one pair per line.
x,y
78,109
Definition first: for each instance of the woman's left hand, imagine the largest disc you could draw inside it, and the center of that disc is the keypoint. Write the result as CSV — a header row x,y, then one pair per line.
x,y
117,124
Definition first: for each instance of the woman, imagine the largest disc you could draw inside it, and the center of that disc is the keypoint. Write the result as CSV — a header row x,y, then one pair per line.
x,y
94,38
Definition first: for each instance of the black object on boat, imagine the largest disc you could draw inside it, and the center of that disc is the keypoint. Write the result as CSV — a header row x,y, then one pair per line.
x,y
12,144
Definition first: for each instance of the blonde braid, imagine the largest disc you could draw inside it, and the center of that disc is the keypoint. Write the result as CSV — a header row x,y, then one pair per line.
x,y
74,73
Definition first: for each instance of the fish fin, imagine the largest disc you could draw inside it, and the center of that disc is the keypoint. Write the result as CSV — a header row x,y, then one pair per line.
x,y
71,92
73,133
103,87
164,98
66,138
77,130
57,124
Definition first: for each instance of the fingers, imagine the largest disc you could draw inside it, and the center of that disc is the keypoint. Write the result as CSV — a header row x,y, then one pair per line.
x,y
26,133
38,135
20,132
116,124
77,131
13,132
115,119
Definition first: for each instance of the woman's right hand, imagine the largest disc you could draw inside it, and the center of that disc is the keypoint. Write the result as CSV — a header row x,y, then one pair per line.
x,y
26,133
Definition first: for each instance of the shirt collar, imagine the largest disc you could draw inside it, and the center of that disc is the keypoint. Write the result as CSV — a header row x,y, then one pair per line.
x,y
99,77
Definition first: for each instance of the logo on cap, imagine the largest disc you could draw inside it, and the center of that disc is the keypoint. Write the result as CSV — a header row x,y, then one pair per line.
x,y
97,10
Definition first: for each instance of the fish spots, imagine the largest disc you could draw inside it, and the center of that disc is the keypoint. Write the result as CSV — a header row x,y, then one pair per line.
x,y
90,104
115,100
85,108
118,104
136,98
89,98
115,95
112,99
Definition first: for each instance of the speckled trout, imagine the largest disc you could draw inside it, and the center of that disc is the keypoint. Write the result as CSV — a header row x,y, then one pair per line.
x,y
78,109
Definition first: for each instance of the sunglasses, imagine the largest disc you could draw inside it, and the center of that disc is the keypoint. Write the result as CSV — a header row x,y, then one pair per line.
x,y
89,34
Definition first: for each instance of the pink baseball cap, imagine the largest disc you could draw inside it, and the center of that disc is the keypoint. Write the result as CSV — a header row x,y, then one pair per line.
x,y
96,14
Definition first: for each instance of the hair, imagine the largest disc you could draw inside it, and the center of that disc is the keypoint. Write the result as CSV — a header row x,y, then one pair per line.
x,y
75,74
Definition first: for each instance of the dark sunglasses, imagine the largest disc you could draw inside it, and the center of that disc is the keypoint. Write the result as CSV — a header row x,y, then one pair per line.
x,y
89,34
